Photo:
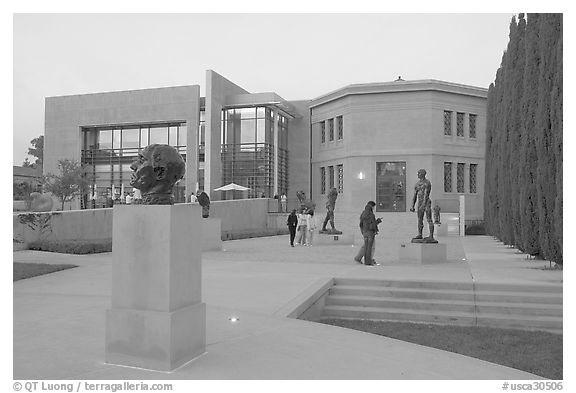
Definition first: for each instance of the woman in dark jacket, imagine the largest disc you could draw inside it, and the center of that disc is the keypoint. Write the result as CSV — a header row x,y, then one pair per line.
x,y
369,229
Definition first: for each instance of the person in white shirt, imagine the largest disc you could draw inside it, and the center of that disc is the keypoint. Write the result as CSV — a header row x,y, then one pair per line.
x,y
311,223
302,228
129,199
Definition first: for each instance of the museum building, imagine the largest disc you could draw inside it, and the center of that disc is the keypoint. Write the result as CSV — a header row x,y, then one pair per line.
x,y
366,140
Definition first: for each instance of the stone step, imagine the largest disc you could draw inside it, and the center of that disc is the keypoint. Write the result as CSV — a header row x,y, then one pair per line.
x,y
553,324
447,294
375,282
497,308
451,285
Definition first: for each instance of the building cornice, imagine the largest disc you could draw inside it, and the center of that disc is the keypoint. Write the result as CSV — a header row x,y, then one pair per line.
x,y
400,86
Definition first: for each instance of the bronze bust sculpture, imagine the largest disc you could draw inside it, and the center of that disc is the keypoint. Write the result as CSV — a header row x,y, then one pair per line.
x,y
330,205
422,193
156,171
204,201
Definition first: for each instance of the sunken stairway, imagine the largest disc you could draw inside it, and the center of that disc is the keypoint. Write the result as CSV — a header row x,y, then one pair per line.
x,y
499,305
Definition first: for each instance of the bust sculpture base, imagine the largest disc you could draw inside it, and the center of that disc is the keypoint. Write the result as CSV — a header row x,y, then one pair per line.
x,y
157,320
427,240
423,253
330,232
324,238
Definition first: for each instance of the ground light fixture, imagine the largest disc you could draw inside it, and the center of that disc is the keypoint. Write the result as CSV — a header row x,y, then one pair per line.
x,y
361,175
233,319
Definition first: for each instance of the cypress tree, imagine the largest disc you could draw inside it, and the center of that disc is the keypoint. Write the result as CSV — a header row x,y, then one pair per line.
x,y
546,172
514,125
503,149
489,173
556,120
528,198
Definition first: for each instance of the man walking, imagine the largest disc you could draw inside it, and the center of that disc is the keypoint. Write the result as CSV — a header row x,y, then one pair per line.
x,y
292,224
369,229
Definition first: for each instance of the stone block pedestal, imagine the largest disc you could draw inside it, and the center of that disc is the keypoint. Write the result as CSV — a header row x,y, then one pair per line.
x,y
423,253
157,320
211,234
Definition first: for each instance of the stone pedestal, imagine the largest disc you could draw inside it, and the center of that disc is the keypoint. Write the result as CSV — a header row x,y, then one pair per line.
x,y
331,239
211,234
157,320
423,253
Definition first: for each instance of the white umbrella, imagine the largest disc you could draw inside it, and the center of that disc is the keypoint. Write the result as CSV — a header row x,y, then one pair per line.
x,y
232,187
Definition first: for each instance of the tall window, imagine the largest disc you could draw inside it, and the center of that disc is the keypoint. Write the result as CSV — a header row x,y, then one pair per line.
x,y
473,170
391,186
472,125
447,177
331,176
340,128
331,129
340,178
447,122
460,124
460,177
322,180
322,132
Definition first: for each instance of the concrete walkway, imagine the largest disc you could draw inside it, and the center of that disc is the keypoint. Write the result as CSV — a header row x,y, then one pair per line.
x,y
59,318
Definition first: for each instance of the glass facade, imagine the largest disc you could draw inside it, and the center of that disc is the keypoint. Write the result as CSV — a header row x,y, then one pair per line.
x,y
391,186
108,152
248,150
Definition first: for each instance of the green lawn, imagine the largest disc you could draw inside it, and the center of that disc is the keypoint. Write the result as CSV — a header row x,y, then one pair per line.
x,y
27,270
538,353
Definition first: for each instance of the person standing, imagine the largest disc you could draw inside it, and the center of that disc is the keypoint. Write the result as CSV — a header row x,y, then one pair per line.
x,y
193,198
283,201
311,226
292,223
369,229
302,228
129,199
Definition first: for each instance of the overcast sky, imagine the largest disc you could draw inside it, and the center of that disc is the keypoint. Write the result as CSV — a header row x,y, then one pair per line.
x,y
298,56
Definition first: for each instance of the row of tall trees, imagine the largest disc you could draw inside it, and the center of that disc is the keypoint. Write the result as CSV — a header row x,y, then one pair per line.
x,y
523,187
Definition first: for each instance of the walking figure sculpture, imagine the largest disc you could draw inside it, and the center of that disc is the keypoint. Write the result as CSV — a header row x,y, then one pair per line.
x,y
422,194
330,205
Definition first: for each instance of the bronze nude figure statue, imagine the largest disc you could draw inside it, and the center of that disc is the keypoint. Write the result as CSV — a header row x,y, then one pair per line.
x,y
330,205
155,172
422,194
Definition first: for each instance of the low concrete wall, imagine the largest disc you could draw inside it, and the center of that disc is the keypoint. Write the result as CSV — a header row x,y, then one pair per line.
x,y
79,225
242,218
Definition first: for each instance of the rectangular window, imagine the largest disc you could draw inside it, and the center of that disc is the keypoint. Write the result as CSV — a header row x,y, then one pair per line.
x,y
460,177
331,177
322,132
322,180
460,124
391,186
448,123
331,129
472,125
340,128
447,177
340,179
473,170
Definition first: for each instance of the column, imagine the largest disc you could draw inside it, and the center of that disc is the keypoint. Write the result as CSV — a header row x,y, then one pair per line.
x,y
276,143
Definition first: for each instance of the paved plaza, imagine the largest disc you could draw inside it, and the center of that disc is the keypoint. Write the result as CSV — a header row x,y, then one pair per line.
x,y
59,318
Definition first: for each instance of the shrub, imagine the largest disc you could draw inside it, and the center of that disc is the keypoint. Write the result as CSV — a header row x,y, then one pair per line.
x,y
475,229
72,247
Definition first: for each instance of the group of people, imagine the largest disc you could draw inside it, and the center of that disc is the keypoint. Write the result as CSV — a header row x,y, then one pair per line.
x,y
301,227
